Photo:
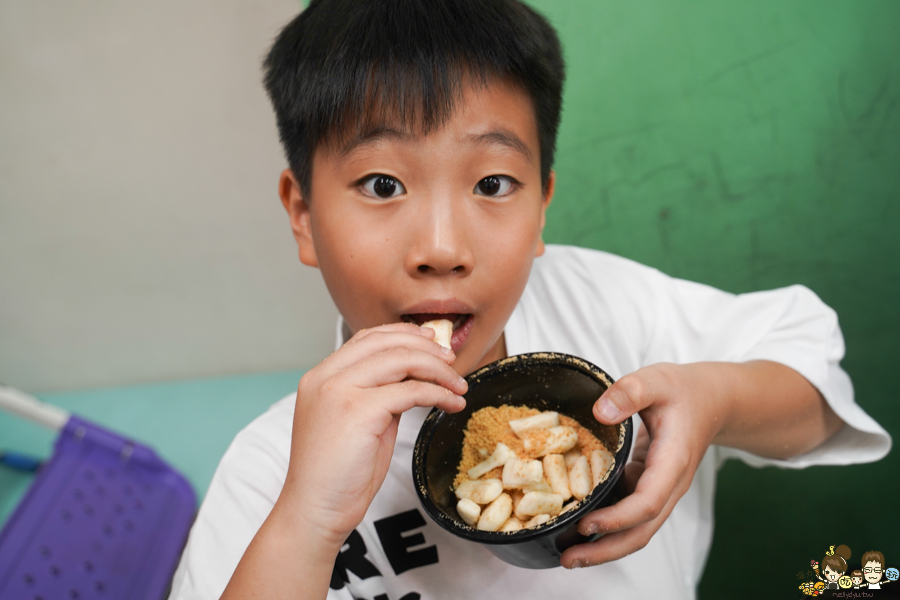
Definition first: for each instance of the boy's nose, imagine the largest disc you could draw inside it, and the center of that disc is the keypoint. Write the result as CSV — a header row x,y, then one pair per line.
x,y
441,246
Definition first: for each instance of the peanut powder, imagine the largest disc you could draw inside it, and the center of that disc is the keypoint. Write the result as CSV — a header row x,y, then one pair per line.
x,y
490,425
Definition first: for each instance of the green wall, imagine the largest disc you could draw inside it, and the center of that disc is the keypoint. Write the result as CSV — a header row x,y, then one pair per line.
x,y
750,146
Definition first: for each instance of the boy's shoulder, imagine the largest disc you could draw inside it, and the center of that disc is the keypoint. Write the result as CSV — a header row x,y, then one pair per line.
x,y
564,260
595,274
564,253
264,445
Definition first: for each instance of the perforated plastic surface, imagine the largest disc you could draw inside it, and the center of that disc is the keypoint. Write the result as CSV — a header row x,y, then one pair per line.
x,y
104,518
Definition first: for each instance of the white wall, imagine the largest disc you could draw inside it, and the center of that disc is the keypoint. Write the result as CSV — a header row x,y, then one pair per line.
x,y
141,236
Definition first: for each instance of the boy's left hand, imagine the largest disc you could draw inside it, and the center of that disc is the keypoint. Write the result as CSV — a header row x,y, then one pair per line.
x,y
679,425
684,409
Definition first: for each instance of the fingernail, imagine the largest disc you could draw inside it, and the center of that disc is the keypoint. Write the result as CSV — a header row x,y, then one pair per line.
x,y
576,564
462,401
462,381
591,529
447,351
608,410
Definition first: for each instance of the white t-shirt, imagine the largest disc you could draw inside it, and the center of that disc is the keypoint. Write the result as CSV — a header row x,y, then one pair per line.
x,y
613,312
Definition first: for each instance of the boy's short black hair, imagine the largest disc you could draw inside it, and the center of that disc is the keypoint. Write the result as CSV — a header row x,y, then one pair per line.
x,y
342,67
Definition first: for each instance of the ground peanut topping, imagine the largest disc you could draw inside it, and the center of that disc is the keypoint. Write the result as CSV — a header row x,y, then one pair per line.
x,y
521,467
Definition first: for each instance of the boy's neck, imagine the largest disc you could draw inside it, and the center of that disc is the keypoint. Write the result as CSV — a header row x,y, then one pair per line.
x,y
497,352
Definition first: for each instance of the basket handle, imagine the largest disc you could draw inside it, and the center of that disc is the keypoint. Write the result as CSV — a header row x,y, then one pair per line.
x,y
26,405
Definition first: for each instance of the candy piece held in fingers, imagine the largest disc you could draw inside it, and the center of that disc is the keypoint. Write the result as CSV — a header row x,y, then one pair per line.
x,y
512,524
557,475
443,331
501,455
482,491
580,478
536,503
543,420
519,473
536,520
601,461
469,511
495,514
554,440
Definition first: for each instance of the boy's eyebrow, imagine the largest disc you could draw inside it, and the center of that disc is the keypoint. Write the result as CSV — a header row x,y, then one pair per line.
x,y
502,137
369,136
499,137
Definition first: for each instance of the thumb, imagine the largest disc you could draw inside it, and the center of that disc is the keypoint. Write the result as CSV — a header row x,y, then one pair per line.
x,y
629,395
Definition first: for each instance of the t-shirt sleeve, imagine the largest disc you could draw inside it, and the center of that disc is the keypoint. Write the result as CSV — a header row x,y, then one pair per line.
x,y
240,496
791,326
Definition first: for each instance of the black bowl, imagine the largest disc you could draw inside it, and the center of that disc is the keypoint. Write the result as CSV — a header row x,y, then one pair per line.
x,y
545,381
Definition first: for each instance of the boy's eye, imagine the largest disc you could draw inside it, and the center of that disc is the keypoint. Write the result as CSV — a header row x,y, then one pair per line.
x,y
383,186
494,185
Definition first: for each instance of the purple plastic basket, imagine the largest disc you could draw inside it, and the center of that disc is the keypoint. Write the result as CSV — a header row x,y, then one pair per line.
x,y
104,518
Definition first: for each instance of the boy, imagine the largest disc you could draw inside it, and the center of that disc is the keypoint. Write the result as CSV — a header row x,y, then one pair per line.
x,y
420,139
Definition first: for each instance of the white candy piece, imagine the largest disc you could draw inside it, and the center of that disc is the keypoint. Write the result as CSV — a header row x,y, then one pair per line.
x,y
516,496
501,455
495,514
569,506
518,473
482,491
540,486
571,456
443,331
601,461
469,511
512,524
519,514
543,420
580,478
557,475
560,439
536,503
536,520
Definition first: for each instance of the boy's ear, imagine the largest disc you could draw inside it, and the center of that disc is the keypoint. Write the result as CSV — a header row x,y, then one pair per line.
x,y
551,181
298,211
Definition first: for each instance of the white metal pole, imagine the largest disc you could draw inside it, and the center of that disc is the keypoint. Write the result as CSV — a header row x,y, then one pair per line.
x,y
26,405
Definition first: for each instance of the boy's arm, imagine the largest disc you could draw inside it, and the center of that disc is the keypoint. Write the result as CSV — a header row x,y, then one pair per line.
x,y
760,406
344,428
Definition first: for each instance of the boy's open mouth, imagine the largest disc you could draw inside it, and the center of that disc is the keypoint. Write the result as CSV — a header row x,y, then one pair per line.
x,y
462,324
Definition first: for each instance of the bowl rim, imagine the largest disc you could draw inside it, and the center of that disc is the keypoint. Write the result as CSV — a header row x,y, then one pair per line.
x,y
562,521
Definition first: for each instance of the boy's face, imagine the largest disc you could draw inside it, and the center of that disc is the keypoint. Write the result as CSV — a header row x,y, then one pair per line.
x,y
406,227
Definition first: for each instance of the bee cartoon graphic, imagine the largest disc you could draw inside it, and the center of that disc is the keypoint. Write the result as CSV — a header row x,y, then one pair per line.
x,y
834,565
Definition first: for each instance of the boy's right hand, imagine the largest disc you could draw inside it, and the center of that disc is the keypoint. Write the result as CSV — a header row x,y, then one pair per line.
x,y
346,417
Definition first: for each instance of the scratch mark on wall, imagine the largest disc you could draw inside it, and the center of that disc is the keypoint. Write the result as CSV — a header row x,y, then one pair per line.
x,y
754,185
749,60
871,108
609,137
